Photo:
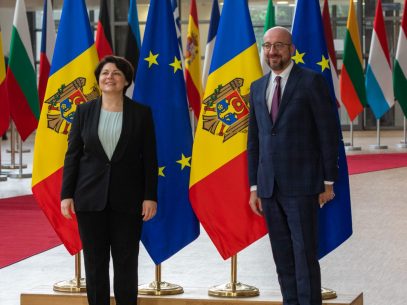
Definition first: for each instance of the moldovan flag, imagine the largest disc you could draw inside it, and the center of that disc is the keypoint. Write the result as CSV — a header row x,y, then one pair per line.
x,y
133,43
103,35
379,84
400,65
21,76
335,218
4,106
47,49
71,82
160,85
326,20
213,29
219,186
269,23
193,62
352,81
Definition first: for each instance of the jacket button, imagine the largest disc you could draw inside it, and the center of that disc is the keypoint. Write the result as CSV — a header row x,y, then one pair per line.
x,y
273,133
107,164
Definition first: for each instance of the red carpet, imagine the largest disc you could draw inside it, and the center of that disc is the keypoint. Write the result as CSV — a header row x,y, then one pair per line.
x,y
24,230
358,164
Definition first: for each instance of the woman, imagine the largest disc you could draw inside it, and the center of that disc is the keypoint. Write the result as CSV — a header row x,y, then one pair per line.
x,y
110,182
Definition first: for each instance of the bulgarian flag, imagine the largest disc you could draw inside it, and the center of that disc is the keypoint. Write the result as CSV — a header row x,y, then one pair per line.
x,y
193,62
103,35
4,107
400,65
21,76
352,82
47,49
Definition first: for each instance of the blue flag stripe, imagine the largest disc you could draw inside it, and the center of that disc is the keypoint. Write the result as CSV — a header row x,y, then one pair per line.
x,y
214,22
68,32
237,30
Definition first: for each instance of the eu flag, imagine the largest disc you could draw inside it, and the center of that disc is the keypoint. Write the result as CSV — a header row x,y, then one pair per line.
x,y
335,219
160,85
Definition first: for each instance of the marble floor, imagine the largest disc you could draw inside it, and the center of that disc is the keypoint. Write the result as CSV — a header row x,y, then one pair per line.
x,y
372,261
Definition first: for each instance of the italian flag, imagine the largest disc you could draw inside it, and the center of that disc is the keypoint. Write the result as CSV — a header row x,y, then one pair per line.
x,y
21,77
268,24
400,65
352,83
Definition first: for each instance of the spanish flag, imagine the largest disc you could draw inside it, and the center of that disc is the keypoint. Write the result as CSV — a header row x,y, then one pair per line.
x,y
219,187
71,82
193,62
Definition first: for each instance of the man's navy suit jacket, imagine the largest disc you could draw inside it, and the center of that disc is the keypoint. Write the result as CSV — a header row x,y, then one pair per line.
x,y
299,151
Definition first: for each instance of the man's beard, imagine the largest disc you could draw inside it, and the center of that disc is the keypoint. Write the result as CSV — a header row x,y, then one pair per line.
x,y
276,65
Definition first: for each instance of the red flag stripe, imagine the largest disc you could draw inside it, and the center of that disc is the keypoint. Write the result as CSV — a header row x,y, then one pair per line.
x,y
232,236
67,230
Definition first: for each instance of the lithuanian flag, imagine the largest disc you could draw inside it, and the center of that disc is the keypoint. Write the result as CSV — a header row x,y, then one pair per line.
x,y
352,82
71,82
219,187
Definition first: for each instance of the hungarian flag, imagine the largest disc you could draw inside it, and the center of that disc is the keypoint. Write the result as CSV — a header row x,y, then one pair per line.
x,y
193,62
326,20
400,65
4,106
268,24
71,82
213,29
379,85
103,35
219,188
352,80
133,44
21,76
47,49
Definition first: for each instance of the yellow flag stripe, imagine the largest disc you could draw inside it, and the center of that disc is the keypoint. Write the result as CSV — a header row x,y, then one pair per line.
x,y
50,146
209,151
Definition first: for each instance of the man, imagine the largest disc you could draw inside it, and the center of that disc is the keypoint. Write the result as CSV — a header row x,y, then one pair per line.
x,y
292,154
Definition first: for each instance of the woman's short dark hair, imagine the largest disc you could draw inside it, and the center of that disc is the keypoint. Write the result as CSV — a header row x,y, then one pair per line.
x,y
121,63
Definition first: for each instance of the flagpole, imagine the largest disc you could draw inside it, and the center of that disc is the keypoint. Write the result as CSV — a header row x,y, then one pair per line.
x,y
12,151
75,285
20,174
350,147
158,287
3,175
403,143
234,288
377,145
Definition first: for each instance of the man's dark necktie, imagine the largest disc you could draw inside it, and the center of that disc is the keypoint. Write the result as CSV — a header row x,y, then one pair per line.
x,y
275,102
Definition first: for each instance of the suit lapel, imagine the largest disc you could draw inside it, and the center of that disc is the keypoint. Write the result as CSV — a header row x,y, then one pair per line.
x,y
289,89
262,96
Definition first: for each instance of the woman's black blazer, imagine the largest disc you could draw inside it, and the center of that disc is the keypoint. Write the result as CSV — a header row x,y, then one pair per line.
x,y
130,177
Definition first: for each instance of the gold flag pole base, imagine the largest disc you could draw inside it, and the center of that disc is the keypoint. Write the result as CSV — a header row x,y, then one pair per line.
x,y
234,289
158,287
231,290
70,286
75,285
328,294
